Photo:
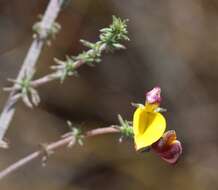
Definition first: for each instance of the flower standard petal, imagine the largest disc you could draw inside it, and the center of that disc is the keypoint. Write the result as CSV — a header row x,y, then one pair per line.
x,y
148,127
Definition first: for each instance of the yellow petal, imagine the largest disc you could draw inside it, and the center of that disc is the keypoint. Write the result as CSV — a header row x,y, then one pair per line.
x,y
151,107
148,127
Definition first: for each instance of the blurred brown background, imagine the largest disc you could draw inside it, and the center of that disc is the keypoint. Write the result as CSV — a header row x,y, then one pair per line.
x,y
174,44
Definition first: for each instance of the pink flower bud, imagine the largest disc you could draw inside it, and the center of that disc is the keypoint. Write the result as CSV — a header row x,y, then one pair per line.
x,y
168,148
154,96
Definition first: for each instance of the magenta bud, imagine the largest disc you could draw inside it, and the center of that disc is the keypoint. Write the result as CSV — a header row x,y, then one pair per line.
x,y
154,96
168,148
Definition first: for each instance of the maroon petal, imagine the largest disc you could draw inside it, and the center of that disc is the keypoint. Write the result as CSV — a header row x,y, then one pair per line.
x,y
168,148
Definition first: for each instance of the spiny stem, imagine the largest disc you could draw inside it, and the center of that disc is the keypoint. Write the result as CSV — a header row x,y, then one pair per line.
x,y
29,63
54,146
109,40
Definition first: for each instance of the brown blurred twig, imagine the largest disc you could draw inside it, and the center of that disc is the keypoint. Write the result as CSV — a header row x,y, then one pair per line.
x,y
69,139
29,63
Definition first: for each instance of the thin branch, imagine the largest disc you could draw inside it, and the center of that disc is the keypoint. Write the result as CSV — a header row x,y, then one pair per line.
x,y
29,63
53,76
45,79
54,146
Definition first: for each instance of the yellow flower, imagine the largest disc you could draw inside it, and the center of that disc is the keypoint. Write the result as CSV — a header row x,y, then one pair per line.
x,y
148,125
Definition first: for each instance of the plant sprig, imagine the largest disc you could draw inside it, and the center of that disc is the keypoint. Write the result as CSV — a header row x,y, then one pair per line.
x,y
109,40
67,140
